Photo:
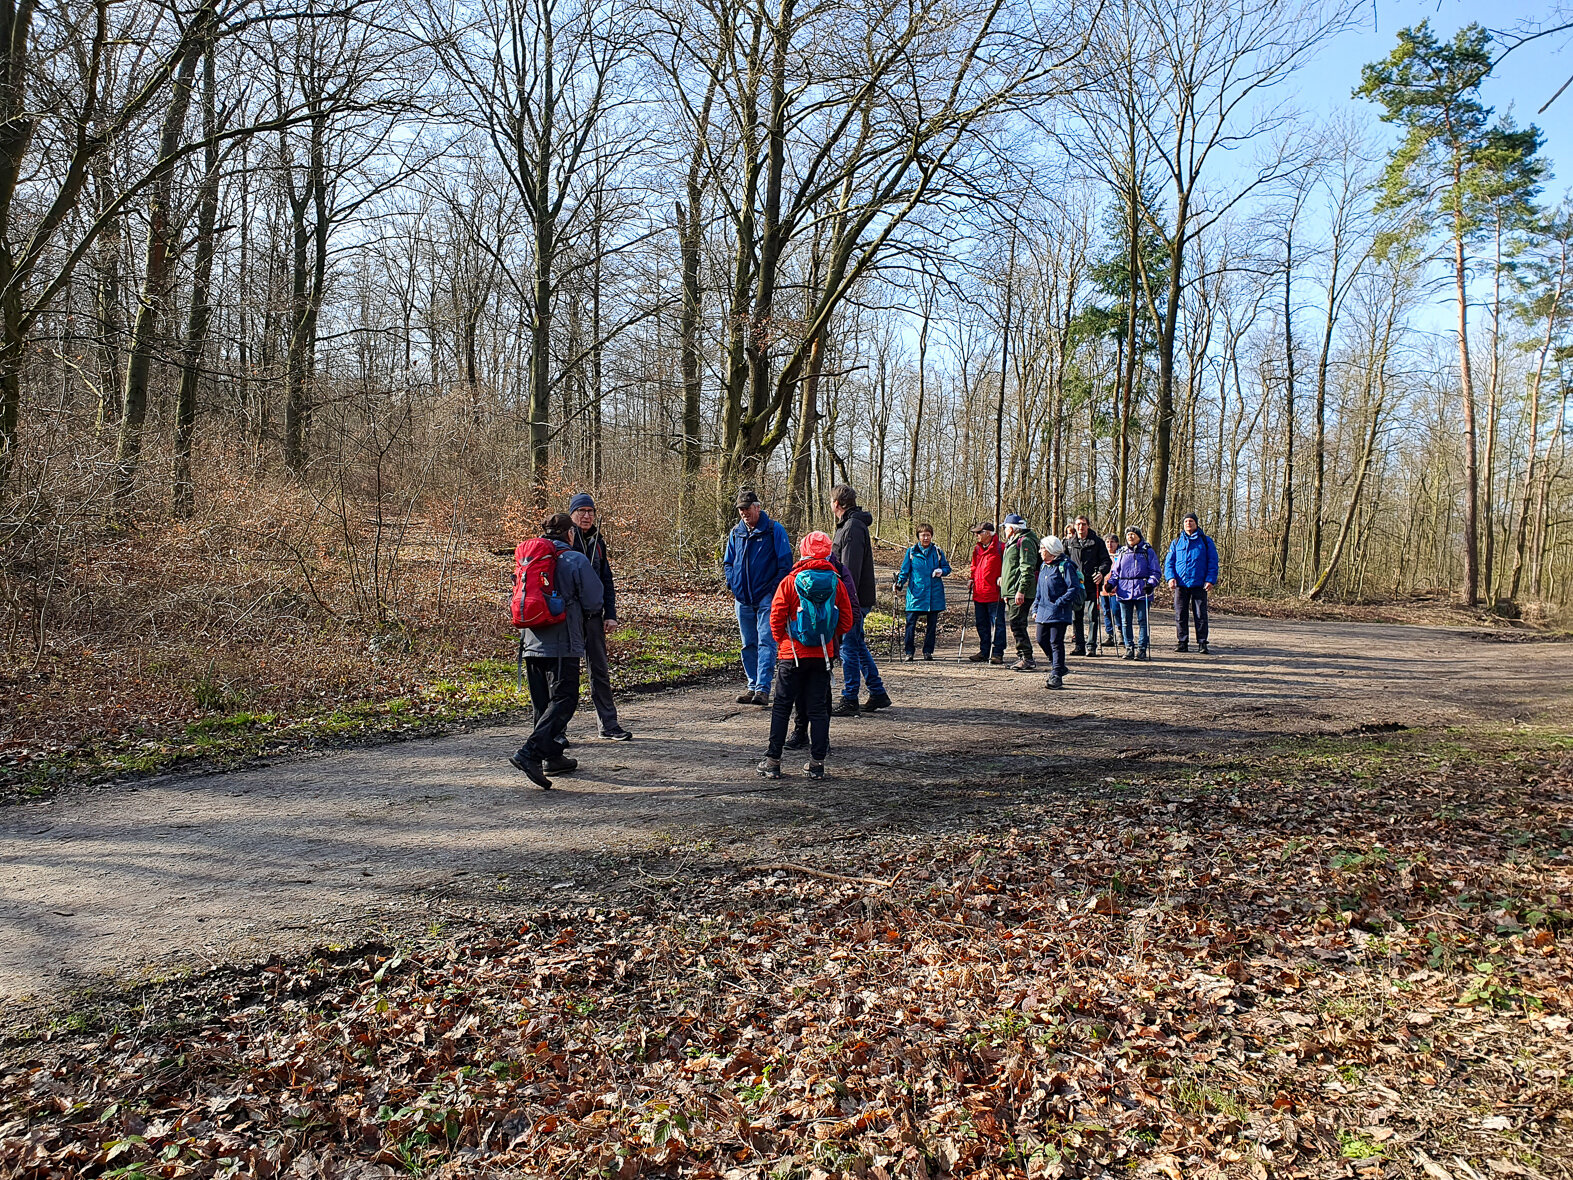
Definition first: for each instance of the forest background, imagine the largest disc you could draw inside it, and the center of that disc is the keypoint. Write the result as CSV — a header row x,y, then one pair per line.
x,y
308,311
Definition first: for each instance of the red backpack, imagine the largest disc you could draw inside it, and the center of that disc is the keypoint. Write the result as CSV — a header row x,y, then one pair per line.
x,y
536,600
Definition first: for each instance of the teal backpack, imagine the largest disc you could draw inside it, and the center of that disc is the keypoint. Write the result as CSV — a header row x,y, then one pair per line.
x,y
814,625
1073,575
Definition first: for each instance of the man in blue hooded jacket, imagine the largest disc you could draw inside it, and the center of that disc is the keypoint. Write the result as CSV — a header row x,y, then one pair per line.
x,y
1191,569
758,555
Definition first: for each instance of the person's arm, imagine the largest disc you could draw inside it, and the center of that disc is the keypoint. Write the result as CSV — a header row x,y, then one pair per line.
x,y
1212,565
781,609
905,572
610,610
944,565
729,559
1168,565
592,595
783,551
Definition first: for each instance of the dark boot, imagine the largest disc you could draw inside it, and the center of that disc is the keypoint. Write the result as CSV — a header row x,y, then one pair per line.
x,y
746,698
1182,646
1141,654
1079,650
798,740
978,657
1202,647
563,765
996,660
1130,653
815,769
845,707
1055,681
532,768
769,768
876,700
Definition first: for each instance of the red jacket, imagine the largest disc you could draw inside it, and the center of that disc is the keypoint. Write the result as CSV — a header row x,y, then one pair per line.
x,y
783,609
984,571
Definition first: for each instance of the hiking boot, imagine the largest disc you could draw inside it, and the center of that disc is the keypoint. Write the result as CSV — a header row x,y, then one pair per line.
x,y
615,735
1055,681
978,657
1111,640
532,769
845,707
1130,653
906,658
564,741
562,765
1024,666
769,768
798,740
1079,650
1182,646
876,700
815,769
928,655
746,698
1141,654
762,698
996,659
1202,647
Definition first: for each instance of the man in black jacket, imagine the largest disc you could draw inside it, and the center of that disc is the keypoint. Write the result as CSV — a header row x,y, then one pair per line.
x,y
854,547
1091,556
587,539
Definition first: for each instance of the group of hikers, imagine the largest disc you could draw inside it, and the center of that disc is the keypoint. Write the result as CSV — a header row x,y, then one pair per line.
x,y
797,614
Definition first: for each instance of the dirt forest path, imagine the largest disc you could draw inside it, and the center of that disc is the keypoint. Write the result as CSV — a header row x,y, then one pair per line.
x,y
187,872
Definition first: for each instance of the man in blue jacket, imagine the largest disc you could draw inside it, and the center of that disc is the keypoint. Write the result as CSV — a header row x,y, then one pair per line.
x,y
1191,569
758,555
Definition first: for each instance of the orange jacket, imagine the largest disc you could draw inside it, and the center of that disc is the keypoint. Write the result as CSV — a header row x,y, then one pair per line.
x,y
783,609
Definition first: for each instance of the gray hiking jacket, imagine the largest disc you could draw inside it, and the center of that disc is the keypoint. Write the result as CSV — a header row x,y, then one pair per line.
x,y
583,595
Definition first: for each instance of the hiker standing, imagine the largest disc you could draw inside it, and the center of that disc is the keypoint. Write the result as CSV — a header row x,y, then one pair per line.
x,y
923,572
1090,555
799,738
810,614
1059,591
587,539
552,651
1191,569
758,555
988,607
1106,596
855,547
1135,576
1018,584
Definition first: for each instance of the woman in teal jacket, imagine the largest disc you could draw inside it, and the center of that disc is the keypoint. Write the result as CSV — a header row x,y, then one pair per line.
x,y
923,573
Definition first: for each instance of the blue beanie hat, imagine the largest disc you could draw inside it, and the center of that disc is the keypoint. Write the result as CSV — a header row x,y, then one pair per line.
x,y
582,500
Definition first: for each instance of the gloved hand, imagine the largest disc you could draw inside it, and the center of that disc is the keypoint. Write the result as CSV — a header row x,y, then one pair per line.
x,y
938,574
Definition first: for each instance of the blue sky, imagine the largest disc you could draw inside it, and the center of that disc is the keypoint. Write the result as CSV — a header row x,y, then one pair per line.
x,y
1520,85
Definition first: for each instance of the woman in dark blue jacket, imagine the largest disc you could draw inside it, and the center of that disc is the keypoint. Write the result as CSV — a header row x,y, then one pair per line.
x,y
1059,591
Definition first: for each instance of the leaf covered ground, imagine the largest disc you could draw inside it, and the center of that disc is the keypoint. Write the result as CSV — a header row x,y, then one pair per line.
x,y
1338,958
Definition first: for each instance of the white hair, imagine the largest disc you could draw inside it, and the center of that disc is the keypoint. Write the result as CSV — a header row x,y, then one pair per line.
x,y
1053,546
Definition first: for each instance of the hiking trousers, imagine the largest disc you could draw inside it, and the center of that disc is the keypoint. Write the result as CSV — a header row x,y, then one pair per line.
x,y
1188,601
929,634
806,684
600,668
990,620
1017,616
554,692
1051,638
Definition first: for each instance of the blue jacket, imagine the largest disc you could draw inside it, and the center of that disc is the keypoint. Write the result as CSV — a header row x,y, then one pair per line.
x,y
1192,560
924,590
1135,572
756,560
1058,583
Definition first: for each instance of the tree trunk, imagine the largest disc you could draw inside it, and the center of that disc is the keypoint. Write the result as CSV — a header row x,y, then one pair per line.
x,y
1471,461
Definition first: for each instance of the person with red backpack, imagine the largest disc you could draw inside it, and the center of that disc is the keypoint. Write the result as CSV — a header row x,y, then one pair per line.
x,y
810,613
555,588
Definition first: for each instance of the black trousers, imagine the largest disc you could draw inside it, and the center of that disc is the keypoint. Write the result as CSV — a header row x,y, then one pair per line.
x,y
932,627
600,673
1051,638
1188,601
554,691
1017,617
1079,617
806,684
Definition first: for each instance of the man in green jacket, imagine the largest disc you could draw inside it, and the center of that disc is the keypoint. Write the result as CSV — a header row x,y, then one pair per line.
x,y
1018,585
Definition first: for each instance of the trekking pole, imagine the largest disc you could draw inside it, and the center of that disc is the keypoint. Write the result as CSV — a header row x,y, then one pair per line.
x,y
960,646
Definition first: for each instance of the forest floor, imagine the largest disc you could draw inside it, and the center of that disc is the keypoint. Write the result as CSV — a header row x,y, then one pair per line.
x,y
1300,907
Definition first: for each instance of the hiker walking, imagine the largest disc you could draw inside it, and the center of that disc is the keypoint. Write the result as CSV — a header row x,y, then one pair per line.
x,y
810,614
1191,569
988,607
1018,584
1135,575
758,555
553,581
855,547
1059,592
587,539
923,572
1090,555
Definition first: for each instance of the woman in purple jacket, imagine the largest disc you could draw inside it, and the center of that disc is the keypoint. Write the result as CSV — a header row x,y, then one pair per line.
x,y
1135,576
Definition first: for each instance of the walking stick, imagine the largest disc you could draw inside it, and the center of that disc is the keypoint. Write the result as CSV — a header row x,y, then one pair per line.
x,y
961,646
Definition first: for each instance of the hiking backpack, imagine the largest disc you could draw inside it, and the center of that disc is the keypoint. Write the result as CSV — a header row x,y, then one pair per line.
x,y
1073,576
536,600
814,625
